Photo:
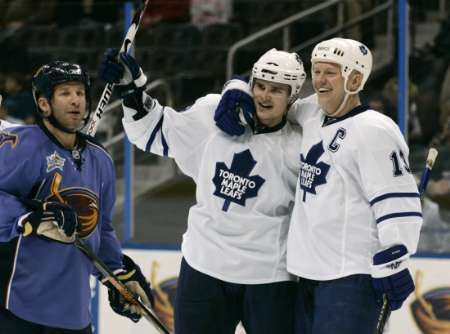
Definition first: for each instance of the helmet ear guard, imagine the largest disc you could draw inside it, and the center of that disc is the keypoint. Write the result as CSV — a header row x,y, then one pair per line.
x,y
48,76
351,55
280,67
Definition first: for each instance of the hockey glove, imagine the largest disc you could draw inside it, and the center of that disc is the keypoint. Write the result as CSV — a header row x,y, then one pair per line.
x,y
123,71
52,220
236,107
391,276
132,277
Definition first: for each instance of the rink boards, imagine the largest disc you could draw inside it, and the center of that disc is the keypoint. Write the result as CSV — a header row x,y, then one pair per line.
x,y
423,312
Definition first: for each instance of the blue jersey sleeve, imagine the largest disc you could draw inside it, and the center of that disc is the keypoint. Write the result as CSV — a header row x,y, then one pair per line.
x,y
19,176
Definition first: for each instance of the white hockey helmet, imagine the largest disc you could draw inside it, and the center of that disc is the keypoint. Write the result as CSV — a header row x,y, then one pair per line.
x,y
349,54
280,67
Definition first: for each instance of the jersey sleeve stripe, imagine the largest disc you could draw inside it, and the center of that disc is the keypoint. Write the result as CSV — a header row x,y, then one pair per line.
x,y
398,214
153,134
392,195
164,144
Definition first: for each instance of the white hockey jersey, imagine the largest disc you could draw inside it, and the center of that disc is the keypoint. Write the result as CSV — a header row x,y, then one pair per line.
x,y
237,230
355,193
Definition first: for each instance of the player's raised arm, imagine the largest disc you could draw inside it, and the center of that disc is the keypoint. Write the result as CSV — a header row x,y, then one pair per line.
x,y
151,126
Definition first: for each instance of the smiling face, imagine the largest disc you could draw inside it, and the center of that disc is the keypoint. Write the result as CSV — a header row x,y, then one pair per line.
x,y
328,84
67,105
271,101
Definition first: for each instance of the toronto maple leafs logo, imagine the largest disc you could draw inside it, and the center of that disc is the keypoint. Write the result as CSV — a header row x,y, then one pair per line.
x,y
312,172
235,184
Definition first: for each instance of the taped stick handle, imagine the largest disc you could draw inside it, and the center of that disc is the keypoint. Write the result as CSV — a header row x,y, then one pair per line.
x,y
431,159
107,91
121,288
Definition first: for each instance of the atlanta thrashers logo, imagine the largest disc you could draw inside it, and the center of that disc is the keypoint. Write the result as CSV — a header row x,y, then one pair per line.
x,y
82,200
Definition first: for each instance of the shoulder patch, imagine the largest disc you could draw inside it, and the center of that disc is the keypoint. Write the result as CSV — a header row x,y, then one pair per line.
x,y
8,138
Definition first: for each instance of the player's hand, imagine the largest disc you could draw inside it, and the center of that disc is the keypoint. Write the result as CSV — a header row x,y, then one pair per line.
x,y
121,69
53,220
135,281
236,107
391,276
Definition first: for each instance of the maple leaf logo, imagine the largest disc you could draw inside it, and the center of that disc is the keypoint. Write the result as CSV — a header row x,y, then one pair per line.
x,y
235,184
312,173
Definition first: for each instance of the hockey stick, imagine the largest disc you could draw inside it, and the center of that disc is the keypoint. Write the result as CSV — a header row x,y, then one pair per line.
x,y
121,288
107,91
385,311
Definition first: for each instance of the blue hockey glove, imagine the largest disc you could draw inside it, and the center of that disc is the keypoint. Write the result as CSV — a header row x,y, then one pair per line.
x,y
124,71
132,277
121,69
53,220
391,276
236,107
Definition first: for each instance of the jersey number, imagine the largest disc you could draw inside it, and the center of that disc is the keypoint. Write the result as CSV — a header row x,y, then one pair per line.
x,y
399,164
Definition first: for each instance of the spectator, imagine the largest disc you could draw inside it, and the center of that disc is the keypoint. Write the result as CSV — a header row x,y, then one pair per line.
x,y
173,11
20,13
205,12
18,103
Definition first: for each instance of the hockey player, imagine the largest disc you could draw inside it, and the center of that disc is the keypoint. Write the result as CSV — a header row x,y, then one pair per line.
x,y
234,249
56,183
354,161
357,213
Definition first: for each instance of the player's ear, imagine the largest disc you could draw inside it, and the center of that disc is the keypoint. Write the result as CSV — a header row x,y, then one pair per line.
x,y
44,106
354,81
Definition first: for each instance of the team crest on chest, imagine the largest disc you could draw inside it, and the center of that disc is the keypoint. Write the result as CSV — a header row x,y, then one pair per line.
x,y
235,184
312,172
55,161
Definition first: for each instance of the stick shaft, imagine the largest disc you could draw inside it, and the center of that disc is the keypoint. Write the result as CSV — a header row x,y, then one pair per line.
x,y
121,288
107,91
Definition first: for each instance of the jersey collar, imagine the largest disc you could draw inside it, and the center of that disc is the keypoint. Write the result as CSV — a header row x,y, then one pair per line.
x,y
80,139
355,111
259,128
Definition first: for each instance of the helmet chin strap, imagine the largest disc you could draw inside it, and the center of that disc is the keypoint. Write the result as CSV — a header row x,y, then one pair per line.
x,y
344,100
